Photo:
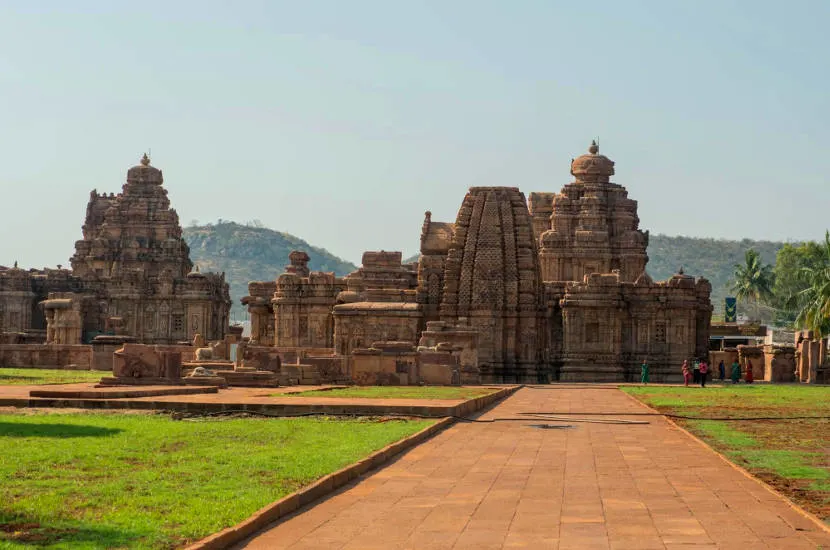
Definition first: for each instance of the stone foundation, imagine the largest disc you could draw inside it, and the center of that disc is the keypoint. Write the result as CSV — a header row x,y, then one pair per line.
x,y
47,356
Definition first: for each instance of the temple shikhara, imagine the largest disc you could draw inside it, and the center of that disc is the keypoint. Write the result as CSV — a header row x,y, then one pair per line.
x,y
515,290
131,276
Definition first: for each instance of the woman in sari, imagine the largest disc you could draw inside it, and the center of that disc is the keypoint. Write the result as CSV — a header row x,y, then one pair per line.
x,y
736,371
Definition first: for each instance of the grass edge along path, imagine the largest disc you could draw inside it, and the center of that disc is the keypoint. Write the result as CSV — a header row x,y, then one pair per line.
x,y
786,454
146,481
397,392
30,377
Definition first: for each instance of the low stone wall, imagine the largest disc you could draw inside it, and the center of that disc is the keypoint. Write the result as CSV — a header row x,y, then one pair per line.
x,y
291,354
399,364
46,356
102,353
728,356
332,369
779,363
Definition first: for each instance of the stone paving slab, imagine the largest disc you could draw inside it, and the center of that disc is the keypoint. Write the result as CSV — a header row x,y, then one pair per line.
x,y
509,485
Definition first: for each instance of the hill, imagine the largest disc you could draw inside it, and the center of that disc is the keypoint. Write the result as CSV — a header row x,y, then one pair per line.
x,y
252,253
714,259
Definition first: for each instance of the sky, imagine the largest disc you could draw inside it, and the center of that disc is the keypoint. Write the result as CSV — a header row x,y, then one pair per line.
x,y
342,122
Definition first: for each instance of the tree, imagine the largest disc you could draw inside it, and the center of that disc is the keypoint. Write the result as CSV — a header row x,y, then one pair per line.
x,y
753,280
814,300
792,264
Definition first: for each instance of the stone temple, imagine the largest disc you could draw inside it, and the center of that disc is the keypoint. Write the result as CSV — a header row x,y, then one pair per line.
x,y
131,275
515,290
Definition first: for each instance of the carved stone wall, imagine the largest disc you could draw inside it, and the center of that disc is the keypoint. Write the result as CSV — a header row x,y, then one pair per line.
x,y
359,324
302,309
491,283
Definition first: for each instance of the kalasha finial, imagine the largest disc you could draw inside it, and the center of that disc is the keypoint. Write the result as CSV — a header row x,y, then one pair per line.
x,y
145,160
15,264
594,148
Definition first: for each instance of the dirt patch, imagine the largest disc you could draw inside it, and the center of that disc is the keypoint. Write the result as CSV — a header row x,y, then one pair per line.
x,y
815,502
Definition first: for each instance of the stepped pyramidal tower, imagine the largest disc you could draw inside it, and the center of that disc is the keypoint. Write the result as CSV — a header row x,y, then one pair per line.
x,y
131,274
134,230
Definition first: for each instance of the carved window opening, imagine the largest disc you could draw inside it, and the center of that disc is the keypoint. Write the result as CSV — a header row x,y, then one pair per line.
x,y
178,323
660,333
642,334
591,333
303,328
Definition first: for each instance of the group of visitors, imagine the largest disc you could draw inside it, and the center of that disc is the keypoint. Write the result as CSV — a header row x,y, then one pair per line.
x,y
698,373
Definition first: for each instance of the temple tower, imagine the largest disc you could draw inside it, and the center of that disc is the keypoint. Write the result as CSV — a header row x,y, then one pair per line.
x,y
135,230
492,283
591,225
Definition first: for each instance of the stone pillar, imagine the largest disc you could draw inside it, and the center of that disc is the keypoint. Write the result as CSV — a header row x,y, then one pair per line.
x,y
815,353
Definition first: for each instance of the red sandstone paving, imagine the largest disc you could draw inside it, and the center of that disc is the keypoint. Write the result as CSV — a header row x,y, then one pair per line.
x,y
507,485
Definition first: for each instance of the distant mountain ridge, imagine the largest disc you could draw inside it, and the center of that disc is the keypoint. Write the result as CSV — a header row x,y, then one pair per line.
x,y
255,253
252,253
714,259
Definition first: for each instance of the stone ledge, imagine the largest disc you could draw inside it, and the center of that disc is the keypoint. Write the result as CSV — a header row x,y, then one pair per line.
x,y
315,491
113,392
276,409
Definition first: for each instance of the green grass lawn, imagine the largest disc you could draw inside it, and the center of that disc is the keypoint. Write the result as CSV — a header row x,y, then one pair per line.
x,y
17,377
146,481
792,455
396,392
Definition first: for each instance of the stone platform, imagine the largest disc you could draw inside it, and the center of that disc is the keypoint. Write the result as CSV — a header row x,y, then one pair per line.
x,y
266,401
120,392
249,379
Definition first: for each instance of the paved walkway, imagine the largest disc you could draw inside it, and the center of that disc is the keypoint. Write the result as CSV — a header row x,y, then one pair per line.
x,y
509,485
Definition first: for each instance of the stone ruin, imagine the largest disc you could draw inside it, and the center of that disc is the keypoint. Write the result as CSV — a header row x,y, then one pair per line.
x,y
139,364
131,264
554,288
811,359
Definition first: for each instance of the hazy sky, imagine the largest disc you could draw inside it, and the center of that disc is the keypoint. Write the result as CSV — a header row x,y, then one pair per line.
x,y
343,121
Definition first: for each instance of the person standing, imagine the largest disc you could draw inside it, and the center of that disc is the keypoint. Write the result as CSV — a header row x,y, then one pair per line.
x,y
721,370
704,370
644,372
687,374
736,371
696,376
749,377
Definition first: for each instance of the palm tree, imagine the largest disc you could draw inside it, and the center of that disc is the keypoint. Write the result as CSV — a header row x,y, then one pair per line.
x,y
815,299
753,280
